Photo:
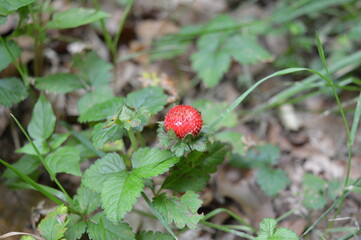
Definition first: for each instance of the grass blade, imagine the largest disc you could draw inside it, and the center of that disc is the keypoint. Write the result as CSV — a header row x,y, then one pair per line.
x,y
32,183
356,121
51,173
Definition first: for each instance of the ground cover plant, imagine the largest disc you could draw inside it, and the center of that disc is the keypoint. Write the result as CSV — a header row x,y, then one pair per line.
x,y
147,120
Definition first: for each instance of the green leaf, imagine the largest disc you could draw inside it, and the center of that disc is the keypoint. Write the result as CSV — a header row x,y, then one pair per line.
x,y
182,211
150,162
65,159
93,69
314,191
193,172
40,144
245,49
119,193
109,165
42,122
102,133
56,140
268,231
5,58
76,228
28,164
27,237
95,97
59,83
102,110
265,155
211,65
53,226
235,139
86,200
211,110
153,98
153,236
119,231
272,181
12,90
7,6
75,17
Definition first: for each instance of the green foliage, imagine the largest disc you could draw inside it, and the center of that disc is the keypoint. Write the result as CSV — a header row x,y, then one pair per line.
x,y
5,57
314,191
193,172
28,165
12,91
104,132
216,50
182,211
120,188
93,70
86,200
151,98
59,83
65,159
153,236
75,17
40,144
101,110
269,231
210,110
53,226
97,96
8,6
112,231
235,139
272,181
42,122
76,228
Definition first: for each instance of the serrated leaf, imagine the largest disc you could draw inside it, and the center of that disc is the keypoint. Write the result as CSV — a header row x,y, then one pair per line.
x,y
314,192
42,122
235,139
102,110
86,200
153,236
7,6
119,193
95,97
76,228
152,98
53,226
119,231
211,110
107,166
150,162
102,134
75,17
268,231
5,58
94,70
193,172
272,181
59,83
210,65
40,144
182,211
12,91
64,159
245,49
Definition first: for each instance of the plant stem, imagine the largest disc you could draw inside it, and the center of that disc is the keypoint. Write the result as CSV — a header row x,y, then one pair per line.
x,y
51,173
121,24
226,229
140,139
133,140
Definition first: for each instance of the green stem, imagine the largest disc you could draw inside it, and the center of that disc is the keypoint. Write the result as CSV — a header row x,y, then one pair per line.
x,y
133,140
226,229
140,139
121,24
51,173
18,66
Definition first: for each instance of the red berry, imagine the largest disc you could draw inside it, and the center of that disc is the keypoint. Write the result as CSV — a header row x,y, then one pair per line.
x,y
183,119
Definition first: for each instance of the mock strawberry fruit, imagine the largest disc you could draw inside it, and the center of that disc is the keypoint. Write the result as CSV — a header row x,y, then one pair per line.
x,y
183,119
